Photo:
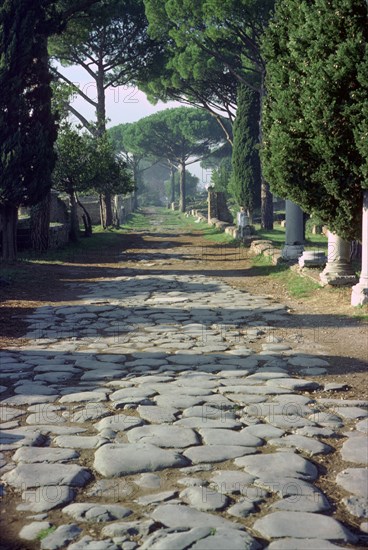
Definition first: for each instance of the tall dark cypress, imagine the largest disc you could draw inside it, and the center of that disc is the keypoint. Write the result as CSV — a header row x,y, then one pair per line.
x,y
27,125
246,177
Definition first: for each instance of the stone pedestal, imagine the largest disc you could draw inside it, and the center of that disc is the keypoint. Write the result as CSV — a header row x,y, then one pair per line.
x,y
338,271
359,295
312,258
294,242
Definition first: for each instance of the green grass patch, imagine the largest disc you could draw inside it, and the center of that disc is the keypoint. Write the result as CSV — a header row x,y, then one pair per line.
x,y
296,285
45,532
278,234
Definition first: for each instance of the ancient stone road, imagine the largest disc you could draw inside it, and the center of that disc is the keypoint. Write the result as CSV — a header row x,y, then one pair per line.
x,y
161,412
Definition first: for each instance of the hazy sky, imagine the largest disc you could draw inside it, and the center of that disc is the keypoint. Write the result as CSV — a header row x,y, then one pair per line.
x,y
123,104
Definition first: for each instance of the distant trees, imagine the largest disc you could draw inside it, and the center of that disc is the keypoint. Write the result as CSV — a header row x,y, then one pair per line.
x,y
181,136
315,148
212,47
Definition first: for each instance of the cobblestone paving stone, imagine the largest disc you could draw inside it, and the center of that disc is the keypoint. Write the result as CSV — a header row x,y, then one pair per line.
x,y
160,410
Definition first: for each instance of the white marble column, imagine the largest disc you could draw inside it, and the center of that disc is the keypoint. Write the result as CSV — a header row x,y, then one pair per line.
x,y
294,242
338,271
359,295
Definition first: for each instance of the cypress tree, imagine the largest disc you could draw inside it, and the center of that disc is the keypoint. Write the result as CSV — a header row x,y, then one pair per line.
x,y
27,125
315,114
246,176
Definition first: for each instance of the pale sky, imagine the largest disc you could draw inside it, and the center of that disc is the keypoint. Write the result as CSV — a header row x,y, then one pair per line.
x,y
123,104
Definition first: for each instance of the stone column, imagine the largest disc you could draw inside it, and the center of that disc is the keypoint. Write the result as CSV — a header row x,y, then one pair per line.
x,y
294,242
359,295
212,204
338,271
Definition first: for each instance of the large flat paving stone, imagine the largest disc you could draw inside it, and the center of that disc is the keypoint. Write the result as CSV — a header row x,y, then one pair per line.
x,y
216,453
354,480
91,511
204,498
219,540
302,525
83,396
25,476
60,537
20,437
355,449
164,436
46,498
231,481
125,459
229,437
307,444
118,422
89,543
181,517
303,544
278,465
44,454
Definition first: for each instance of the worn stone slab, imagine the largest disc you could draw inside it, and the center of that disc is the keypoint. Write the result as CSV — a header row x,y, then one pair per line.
x,y
118,422
9,413
307,361
32,530
354,480
232,481
128,529
356,506
26,476
355,449
83,396
180,517
44,454
45,498
157,498
278,465
216,453
156,414
164,436
89,543
302,525
303,544
204,498
20,399
80,442
302,443
351,413
229,437
125,459
60,537
92,511
263,431
168,539
218,540
20,437
299,502
199,422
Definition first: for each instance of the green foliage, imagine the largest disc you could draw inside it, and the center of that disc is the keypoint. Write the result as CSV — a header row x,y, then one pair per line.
x,y
221,176
27,125
246,177
88,163
111,45
315,116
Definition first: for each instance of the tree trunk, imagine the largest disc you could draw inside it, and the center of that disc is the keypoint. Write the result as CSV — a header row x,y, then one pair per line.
x,y
266,195
182,200
267,207
74,224
87,222
8,227
172,198
106,210
40,224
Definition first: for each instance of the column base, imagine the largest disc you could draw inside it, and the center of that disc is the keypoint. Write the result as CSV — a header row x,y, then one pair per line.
x,y
292,251
338,274
312,258
359,294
